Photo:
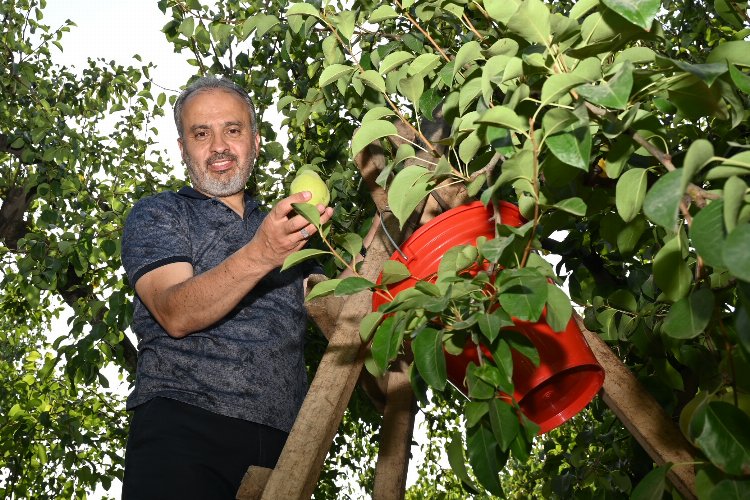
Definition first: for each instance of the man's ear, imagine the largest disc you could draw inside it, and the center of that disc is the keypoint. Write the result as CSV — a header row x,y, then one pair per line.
x,y
181,146
257,142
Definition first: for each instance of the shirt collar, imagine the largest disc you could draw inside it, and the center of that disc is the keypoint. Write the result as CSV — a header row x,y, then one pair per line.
x,y
190,192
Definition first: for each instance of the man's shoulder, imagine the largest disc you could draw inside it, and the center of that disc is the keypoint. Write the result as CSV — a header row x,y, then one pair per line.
x,y
160,198
164,201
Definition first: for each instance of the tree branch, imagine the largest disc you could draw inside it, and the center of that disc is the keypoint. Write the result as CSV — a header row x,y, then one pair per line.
x,y
697,194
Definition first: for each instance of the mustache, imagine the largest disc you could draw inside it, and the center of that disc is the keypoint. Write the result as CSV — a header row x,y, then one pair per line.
x,y
221,157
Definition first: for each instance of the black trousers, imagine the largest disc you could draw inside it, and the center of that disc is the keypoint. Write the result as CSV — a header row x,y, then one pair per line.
x,y
176,450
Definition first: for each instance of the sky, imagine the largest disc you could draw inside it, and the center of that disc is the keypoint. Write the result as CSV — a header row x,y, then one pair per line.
x,y
117,30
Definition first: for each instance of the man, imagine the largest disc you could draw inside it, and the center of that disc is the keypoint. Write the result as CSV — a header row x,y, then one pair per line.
x,y
220,374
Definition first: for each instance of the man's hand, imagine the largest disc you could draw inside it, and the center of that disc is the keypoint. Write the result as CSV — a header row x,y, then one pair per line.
x,y
283,231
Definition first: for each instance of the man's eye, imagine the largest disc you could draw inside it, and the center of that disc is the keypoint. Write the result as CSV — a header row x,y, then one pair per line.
x,y
234,131
201,135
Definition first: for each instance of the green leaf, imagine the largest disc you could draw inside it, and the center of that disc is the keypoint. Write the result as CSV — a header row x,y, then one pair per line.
x,y
501,10
302,255
575,206
581,7
636,55
728,11
559,308
373,79
653,485
698,155
630,235
504,117
559,85
720,430
265,23
489,325
323,288
694,99
485,458
377,113
309,212
383,13
428,101
707,233
740,79
532,22
352,285
706,72
386,343
468,52
732,52
333,72
734,199
393,272
368,325
423,64
671,273
478,387
469,146
689,316
410,186
504,422
730,488
630,193
303,9
736,252
572,145
394,60
474,411
430,358
455,452
371,131
639,12
523,293
499,376
618,156
351,242
15,411
612,94
187,27
404,151
663,200
412,88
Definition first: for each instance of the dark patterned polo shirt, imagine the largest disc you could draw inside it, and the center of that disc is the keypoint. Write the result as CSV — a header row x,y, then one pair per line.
x,y
250,364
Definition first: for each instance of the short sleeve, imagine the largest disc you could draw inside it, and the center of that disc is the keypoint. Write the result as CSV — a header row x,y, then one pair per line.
x,y
155,234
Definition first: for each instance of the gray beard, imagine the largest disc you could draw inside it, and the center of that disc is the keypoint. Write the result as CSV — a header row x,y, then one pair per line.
x,y
222,186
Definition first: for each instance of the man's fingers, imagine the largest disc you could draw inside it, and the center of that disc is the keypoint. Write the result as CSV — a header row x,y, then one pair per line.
x,y
284,206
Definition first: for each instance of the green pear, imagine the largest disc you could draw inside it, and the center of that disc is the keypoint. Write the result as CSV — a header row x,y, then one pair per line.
x,y
309,180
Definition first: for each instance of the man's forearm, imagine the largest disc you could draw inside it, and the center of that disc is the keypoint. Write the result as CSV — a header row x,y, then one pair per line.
x,y
199,301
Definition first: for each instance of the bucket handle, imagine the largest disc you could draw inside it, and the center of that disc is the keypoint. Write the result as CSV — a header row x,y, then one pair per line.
x,y
388,235
443,208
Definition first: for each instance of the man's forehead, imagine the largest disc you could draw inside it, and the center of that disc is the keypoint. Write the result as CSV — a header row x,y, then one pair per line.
x,y
213,93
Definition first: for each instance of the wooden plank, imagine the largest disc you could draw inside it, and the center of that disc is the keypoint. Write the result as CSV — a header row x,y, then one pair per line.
x,y
299,466
644,417
253,483
396,433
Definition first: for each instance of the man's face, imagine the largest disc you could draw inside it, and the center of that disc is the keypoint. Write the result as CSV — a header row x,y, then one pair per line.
x,y
217,145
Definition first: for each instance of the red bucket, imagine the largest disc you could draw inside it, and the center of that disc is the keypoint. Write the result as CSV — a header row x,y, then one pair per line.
x,y
568,376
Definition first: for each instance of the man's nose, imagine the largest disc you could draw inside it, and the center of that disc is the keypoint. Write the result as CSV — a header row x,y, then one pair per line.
x,y
218,143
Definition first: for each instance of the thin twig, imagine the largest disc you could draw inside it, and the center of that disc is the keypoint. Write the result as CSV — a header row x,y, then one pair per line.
x,y
421,30
697,194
